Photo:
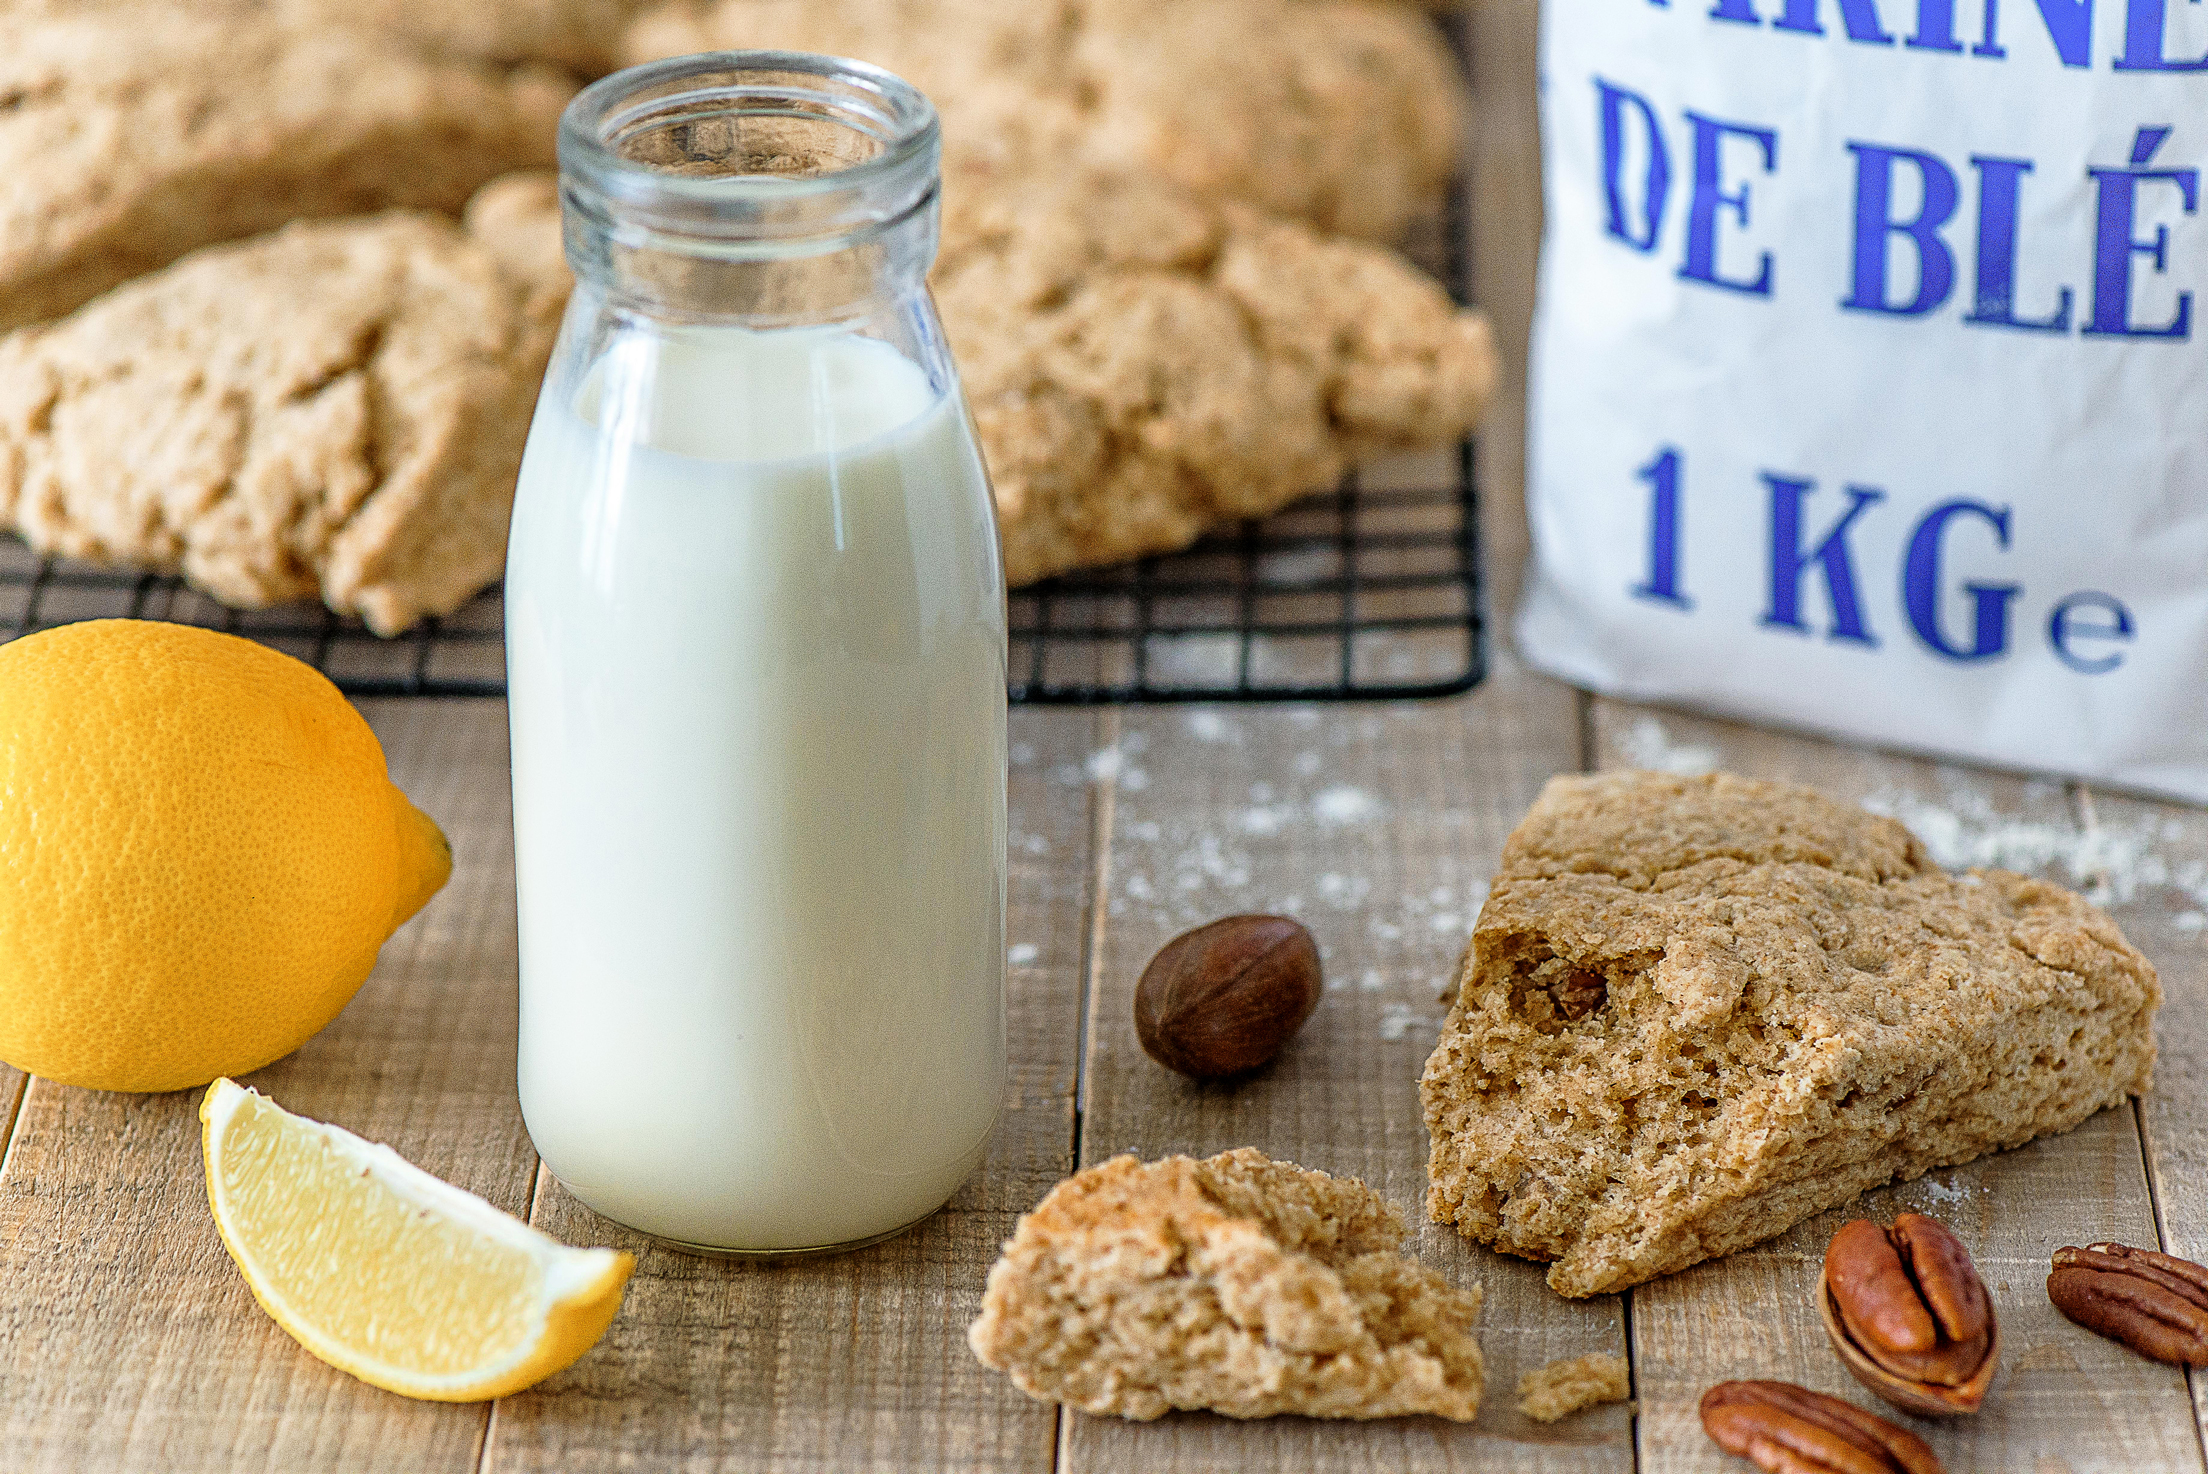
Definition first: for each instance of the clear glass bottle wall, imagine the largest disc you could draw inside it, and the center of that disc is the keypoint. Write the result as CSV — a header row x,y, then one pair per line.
x,y
756,654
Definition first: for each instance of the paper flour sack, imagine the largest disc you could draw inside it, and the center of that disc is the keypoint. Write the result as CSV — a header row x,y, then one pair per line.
x,y
1869,383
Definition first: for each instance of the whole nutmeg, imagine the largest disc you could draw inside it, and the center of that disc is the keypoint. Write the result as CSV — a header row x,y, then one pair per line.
x,y
1227,996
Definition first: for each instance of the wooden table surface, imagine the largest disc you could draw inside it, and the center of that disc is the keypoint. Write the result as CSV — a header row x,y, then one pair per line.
x,y
128,1342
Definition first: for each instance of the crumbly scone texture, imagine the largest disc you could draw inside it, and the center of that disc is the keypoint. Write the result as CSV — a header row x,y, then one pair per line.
x,y
1696,1011
1348,114
1143,366
140,133
337,408
1239,1284
1562,1388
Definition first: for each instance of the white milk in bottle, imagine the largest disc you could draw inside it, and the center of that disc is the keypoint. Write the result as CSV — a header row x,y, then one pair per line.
x,y
756,655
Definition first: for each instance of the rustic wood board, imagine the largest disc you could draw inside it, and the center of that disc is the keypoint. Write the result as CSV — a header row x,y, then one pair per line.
x,y
2152,861
859,1361
1378,826
127,1339
2065,1399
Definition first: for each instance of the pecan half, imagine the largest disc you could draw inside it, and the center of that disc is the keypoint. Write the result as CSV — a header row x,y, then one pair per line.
x,y
1791,1430
1909,1316
2154,1303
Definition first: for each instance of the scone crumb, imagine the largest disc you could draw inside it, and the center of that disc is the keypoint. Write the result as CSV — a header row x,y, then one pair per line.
x,y
1239,1284
1565,1387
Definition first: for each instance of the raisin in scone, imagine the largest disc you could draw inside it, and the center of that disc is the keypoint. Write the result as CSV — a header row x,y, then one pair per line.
x,y
137,134
1348,114
1696,1011
1239,1284
335,409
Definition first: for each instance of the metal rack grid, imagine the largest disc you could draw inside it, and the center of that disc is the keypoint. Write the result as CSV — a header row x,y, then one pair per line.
x,y
1369,591
461,655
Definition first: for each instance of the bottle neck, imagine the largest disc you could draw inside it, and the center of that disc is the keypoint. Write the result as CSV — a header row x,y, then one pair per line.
x,y
762,188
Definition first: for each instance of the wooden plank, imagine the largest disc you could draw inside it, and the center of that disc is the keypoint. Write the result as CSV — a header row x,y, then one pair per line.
x,y
12,1081
858,1361
1378,826
2151,861
2065,1399
127,1340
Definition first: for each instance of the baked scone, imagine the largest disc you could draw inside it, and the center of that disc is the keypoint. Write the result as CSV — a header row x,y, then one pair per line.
x,y
337,408
1348,114
1239,1284
1550,1393
137,134
581,35
1140,367
1696,1011
1143,366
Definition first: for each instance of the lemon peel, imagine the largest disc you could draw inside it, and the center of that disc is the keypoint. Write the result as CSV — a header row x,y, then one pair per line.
x,y
387,1272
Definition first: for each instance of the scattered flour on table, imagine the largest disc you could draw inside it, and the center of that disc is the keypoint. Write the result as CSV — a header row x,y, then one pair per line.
x,y
1110,765
2108,863
1344,892
1345,805
1398,1019
1649,746
1210,726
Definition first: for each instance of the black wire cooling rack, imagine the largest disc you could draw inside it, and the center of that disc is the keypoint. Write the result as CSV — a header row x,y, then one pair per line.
x,y
1371,590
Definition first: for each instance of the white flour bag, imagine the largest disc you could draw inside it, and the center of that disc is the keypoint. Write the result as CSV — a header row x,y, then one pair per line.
x,y
1870,372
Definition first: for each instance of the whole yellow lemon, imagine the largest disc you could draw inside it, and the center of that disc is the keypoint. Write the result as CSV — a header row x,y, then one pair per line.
x,y
200,854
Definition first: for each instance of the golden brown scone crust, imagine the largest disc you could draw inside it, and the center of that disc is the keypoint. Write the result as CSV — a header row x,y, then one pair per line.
x,y
1238,1284
1547,1394
337,408
1696,1011
1142,366
138,134
1348,114
581,35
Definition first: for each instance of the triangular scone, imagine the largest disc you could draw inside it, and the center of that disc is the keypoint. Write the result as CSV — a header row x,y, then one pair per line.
x,y
1696,1011
1239,1284
1144,364
1341,113
336,408
137,133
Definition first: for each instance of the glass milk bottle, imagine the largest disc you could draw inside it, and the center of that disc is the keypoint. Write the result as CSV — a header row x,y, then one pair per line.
x,y
755,637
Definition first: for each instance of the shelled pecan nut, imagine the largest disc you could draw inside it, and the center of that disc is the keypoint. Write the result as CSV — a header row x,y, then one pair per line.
x,y
1909,1316
2154,1303
1791,1430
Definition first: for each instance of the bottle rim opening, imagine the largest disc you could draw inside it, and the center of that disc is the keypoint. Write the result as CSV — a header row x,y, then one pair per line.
x,y
867,147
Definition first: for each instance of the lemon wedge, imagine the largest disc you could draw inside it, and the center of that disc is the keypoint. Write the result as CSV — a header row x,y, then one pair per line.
x,y
388,1273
